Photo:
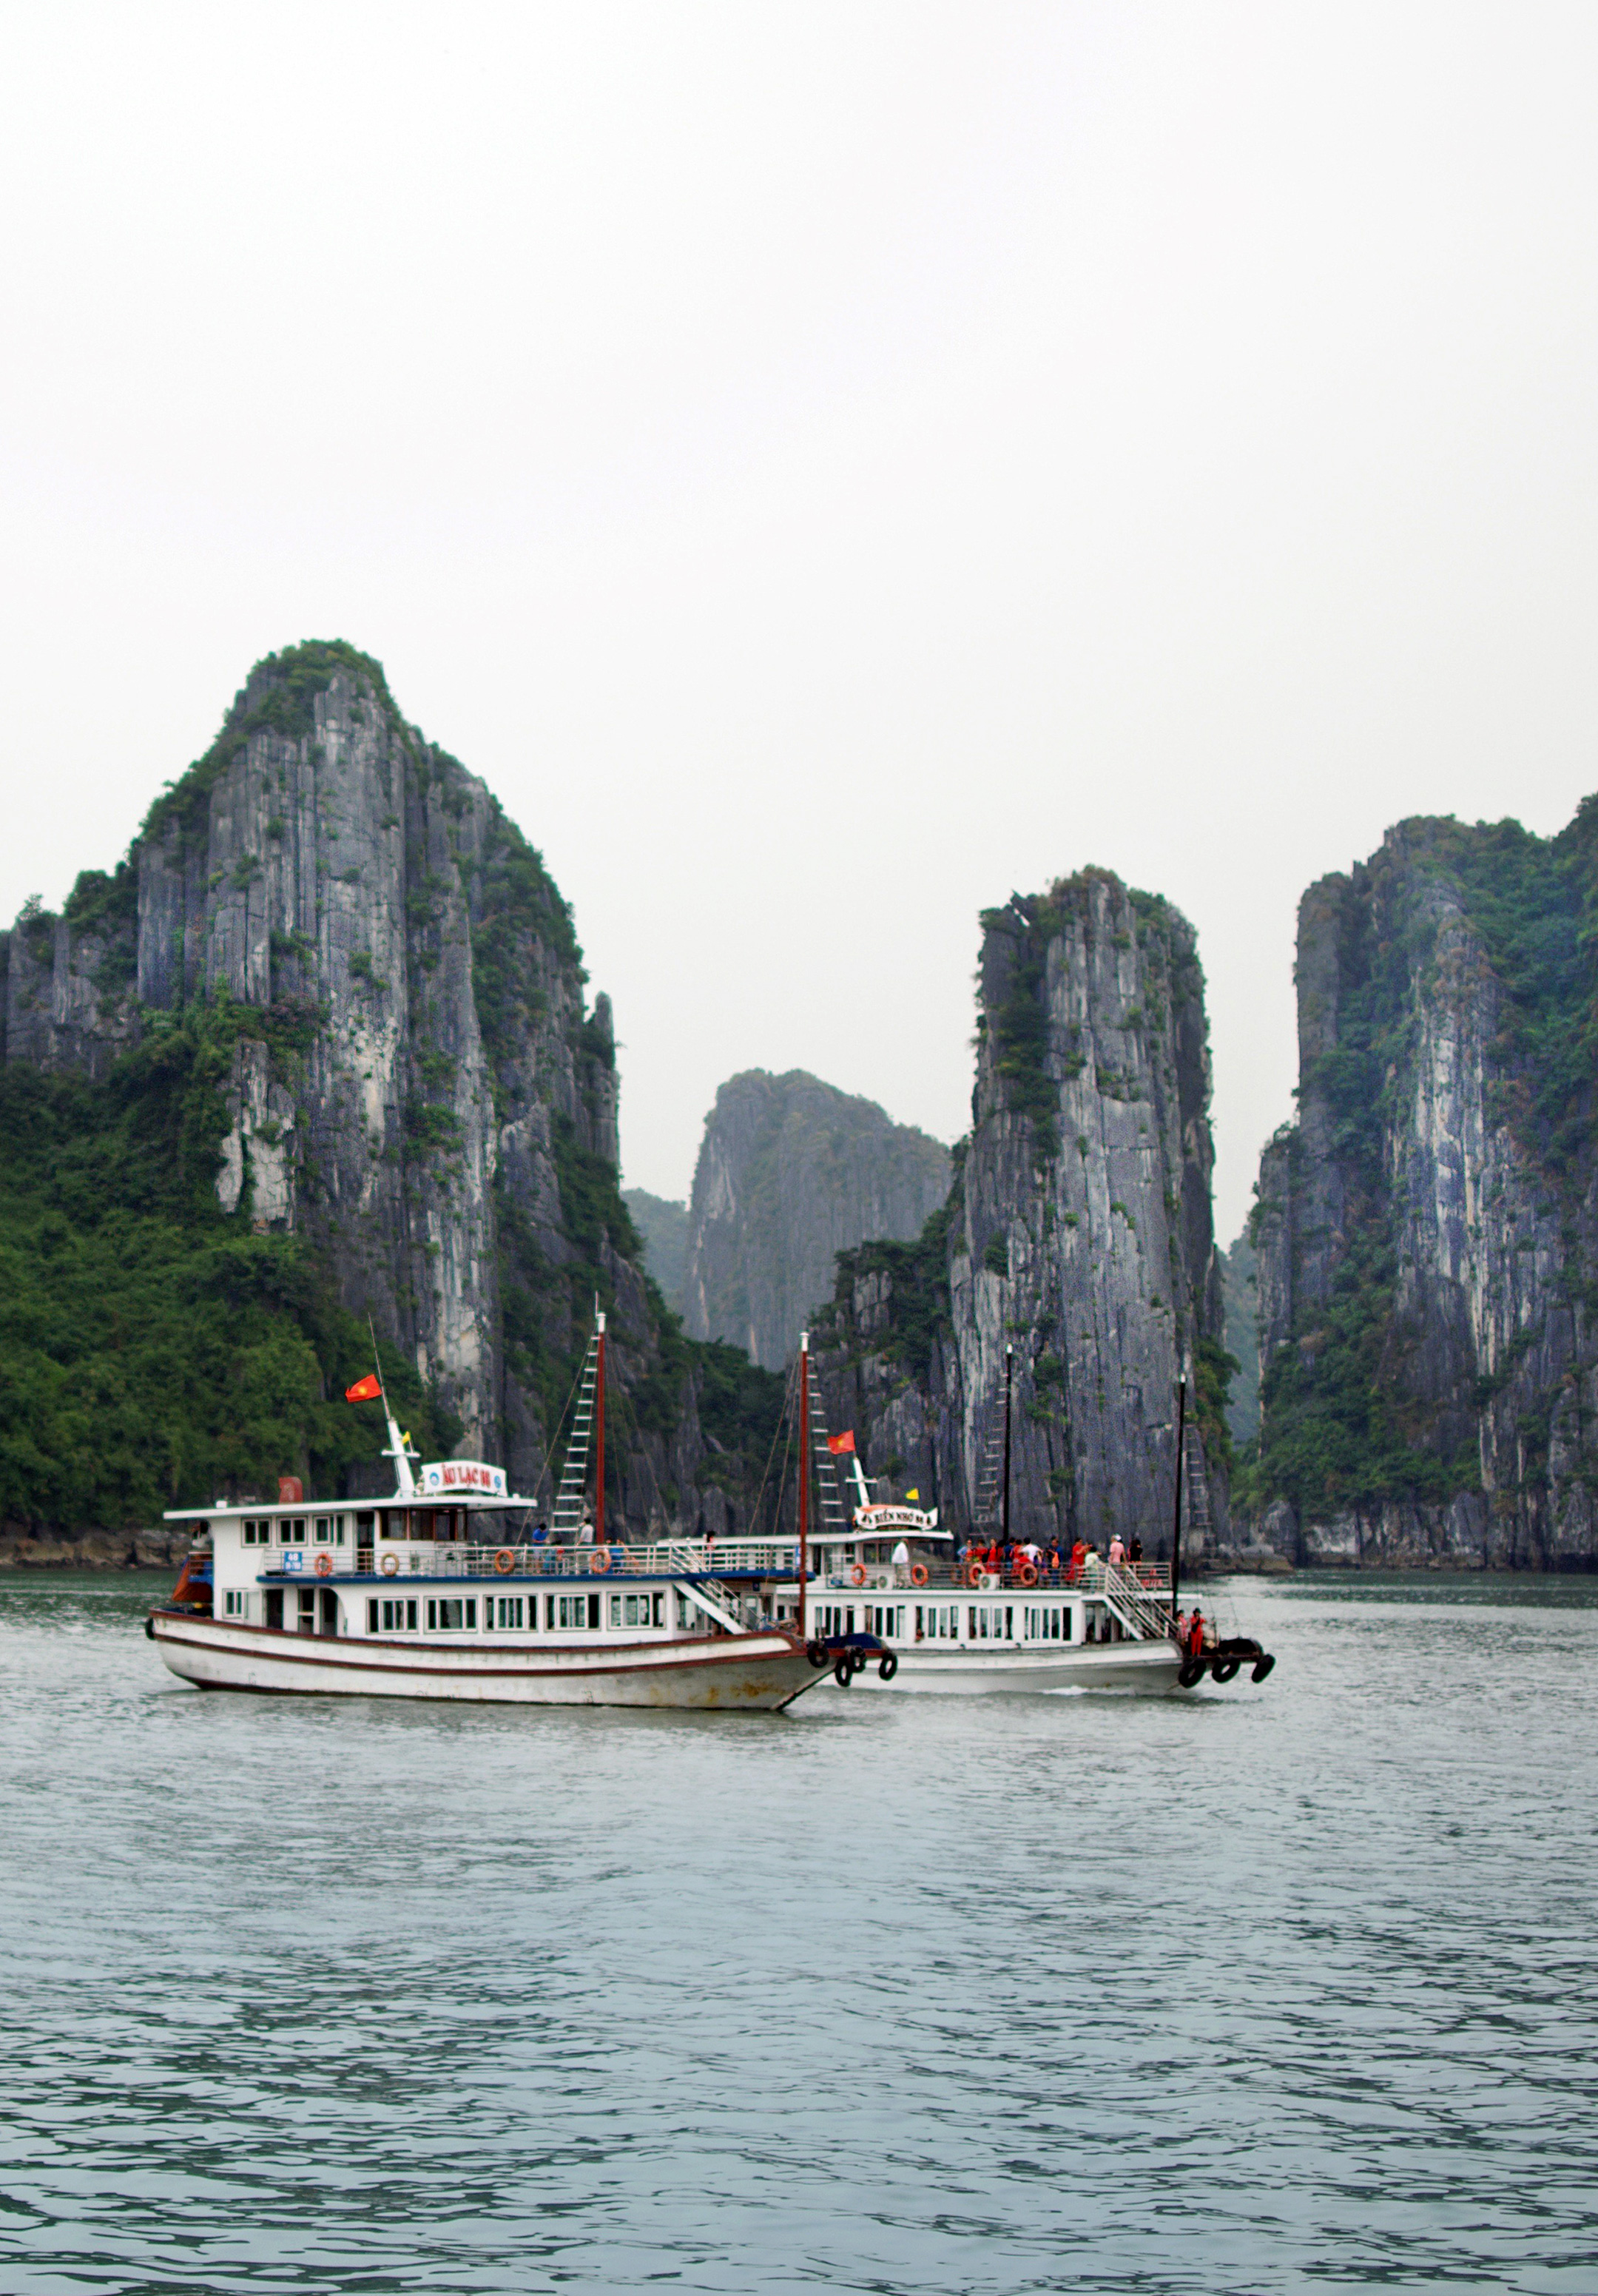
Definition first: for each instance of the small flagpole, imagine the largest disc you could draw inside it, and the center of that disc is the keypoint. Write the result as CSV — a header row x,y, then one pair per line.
x,y
404,1480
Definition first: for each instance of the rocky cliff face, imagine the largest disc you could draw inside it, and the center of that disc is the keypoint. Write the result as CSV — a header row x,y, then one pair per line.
x,y
791,1172
412,1081
662,1223
1428,1232
1079,1230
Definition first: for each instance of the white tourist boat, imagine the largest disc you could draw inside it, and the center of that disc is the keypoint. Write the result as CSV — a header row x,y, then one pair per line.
x,y
931,1622
440,1592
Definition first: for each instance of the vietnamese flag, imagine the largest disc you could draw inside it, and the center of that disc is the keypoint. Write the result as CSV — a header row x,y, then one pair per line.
x,y
364,1389
838,1443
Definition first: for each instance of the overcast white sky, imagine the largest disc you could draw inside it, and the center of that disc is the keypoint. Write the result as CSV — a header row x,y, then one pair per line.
x,y
826,466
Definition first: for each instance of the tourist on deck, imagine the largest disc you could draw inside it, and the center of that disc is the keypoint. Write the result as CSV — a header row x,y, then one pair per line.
x,y
1117,1551
1078,1557
1051,1563
901,1564
1135,1553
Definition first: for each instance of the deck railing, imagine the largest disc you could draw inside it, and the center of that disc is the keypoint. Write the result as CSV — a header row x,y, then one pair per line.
x,y
1140,1593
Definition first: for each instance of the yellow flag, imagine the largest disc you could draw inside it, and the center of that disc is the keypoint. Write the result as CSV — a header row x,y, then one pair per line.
x,y
912,1495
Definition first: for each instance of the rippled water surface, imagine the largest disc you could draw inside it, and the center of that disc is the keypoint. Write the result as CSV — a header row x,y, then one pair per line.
x,y
1277,1988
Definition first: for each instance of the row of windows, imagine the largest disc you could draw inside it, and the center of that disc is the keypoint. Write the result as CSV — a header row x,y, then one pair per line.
x,y
436,1523
507,1614
324,1530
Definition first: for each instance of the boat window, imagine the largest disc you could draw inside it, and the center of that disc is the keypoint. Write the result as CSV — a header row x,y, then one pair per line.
x,y
257,1532
574,1610
290,1531
323,1530
392,1524
397,1617
635,1610
510,1607
364,1525
451,1614
236,1605
307,1610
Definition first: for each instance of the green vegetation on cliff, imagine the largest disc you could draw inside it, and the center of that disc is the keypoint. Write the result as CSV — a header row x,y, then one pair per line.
x,y
153,1351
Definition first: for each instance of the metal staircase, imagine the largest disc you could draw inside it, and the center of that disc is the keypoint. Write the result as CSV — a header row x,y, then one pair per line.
x,y
571,1499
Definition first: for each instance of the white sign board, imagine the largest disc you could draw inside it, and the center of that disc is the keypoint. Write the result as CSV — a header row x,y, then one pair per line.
x,y
894,1518
463,1475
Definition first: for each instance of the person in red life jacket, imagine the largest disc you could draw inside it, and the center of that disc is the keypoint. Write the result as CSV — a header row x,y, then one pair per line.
x,y
1195,1635
1078,1557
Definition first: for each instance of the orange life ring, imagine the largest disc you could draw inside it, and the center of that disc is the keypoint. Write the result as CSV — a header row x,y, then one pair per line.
x,y
918,1574
389,1565
506,1560
324,1564
602,1558
1027,1576
974,1574
857,1575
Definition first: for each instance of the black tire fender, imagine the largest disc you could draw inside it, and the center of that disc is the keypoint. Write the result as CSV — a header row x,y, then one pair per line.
x,y
150,1629
1192,1670
843,1673
888,1667
1263,1665
1224,1668
816,1653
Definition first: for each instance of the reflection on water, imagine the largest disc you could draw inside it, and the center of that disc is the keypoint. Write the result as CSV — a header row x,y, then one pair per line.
x,y
1260,1989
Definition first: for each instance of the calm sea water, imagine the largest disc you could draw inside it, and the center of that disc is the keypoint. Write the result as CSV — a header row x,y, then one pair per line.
x,y
1286,1988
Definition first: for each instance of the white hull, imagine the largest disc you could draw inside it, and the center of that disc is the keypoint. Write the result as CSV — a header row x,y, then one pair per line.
x,y
754,1673
1096,1666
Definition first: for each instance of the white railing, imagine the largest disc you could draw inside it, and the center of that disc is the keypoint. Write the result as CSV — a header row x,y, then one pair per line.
x,y
664,1559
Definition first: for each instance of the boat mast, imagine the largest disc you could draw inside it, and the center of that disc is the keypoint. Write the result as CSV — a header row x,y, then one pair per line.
x,y
1177,1512
599,1435
1009,1371
804,1468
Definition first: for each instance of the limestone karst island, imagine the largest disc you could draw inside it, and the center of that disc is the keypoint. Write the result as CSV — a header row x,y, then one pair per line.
x,y
319,1058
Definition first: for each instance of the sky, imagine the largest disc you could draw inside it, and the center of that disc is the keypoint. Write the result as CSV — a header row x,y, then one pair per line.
x,y
826,467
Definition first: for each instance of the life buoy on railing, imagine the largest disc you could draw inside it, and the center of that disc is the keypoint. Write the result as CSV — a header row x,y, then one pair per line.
x,y
1027,1576
857,1575
506,1560
918,1574
974,1574
602,1558
324,1564
389,1565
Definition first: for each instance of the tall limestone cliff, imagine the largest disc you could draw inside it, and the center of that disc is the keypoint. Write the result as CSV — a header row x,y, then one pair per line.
x,y
344,982
1078,1232
790,1172
1428,1231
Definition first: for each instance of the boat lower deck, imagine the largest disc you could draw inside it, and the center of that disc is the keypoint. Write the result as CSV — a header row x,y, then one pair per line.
x,y
997,1669
751,1673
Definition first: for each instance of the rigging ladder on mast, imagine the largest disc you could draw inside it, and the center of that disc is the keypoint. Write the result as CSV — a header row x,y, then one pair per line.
x,y
571,1507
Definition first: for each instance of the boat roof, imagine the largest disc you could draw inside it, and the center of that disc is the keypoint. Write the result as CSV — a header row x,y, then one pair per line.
x,y
475,1502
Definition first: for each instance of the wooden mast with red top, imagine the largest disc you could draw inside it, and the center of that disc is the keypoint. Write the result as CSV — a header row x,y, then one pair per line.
x,y
804,1467
599,1436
